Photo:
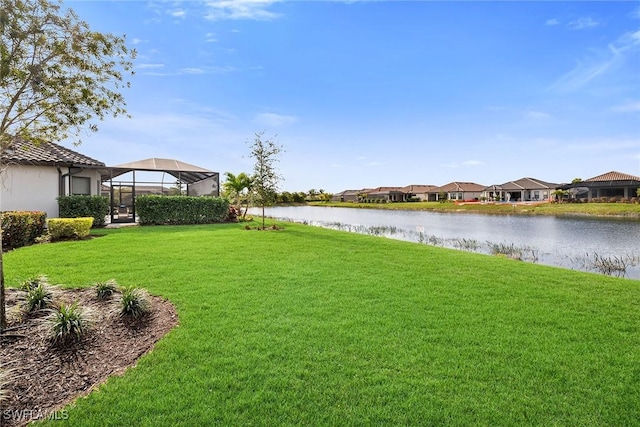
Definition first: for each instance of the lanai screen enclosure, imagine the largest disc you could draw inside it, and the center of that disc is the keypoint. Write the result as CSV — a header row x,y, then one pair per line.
x,y
122,192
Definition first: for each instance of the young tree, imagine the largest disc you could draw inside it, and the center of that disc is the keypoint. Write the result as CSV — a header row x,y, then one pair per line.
x,y
265,176
56,78
237,188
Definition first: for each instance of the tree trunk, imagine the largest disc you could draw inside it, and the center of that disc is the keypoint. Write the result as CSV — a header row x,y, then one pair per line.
x,y
263,216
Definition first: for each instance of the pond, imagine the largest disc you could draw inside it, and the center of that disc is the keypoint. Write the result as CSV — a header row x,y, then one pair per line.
x,y
608,246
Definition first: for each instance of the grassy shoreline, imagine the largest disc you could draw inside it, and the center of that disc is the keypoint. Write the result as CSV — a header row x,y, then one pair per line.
x,y
617,210
309,326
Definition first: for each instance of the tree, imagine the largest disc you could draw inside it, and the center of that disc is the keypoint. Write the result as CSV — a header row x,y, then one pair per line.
x,y
265,176
560,194
56,78
238,188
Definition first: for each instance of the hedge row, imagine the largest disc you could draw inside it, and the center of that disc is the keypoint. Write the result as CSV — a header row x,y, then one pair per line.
x,y
21,228
159,210
96,207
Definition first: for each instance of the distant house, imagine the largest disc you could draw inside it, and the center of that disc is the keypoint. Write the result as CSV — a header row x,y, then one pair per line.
x,y
419,191
347,196
388,194
609,185
36,175
523,189
457,191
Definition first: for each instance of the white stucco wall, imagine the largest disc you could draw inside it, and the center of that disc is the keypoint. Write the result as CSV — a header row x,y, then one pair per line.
x,y
35,188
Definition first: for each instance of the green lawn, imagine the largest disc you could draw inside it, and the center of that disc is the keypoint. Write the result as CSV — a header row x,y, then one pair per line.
x,y
309,326
629,210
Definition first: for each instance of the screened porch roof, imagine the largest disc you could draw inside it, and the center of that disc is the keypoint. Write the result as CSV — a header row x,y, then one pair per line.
x,y
180,170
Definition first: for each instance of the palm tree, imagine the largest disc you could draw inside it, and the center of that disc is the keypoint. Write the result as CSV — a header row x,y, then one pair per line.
x,y
238,188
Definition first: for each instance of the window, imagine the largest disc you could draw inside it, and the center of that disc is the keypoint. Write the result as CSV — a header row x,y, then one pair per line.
x,y
80,186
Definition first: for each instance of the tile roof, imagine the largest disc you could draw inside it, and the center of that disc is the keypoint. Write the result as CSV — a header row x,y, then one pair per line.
x,y
527,184
613,176
46,153
459,186
415,189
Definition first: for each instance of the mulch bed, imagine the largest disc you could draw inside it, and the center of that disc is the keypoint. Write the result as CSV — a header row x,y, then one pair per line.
x,y
45,377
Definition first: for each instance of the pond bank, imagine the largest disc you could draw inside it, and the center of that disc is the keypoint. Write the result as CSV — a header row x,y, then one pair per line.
x,y
606,210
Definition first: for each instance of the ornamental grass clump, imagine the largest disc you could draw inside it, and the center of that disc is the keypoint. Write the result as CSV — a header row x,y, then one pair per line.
x,y
68,323
33,282
105,290
134,303
39,297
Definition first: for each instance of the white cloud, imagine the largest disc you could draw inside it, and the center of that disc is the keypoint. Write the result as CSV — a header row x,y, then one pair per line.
x,y
147,66
599,63
630,107
552,22
537,115
210,38
178,13
274,119
240,9
191,71
583,24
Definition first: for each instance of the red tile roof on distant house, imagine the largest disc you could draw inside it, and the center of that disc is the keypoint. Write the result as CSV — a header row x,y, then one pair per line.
x,y
46,153
613,176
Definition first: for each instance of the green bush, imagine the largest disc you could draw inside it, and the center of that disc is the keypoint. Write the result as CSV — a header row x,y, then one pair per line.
x,y
104,290
33,282
96,207
21,228
134,303
160,210
68,323
69,228
39,298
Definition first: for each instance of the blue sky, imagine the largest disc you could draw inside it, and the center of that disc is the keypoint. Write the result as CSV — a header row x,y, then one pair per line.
x,y
380,93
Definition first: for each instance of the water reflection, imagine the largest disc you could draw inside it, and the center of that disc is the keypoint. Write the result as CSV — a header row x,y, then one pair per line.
x,y
608,246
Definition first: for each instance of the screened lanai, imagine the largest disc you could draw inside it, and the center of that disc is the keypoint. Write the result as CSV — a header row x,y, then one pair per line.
x,y
122,183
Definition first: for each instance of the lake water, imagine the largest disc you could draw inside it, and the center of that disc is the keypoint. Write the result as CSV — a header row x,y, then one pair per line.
x,y
590,244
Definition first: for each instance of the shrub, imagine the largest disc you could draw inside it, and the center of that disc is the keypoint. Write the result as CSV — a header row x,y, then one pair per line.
x,y
21,228
134,303
39,297
105,290
160,210
96,207
69,228
67,323
33,282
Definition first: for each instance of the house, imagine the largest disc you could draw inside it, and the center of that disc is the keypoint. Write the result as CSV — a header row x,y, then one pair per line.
x,y
347,196
457,191
610,185
36,175
523,189
387,194
419,191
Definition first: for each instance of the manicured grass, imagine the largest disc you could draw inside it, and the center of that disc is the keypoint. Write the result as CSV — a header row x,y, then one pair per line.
x,y
308,326
630,210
